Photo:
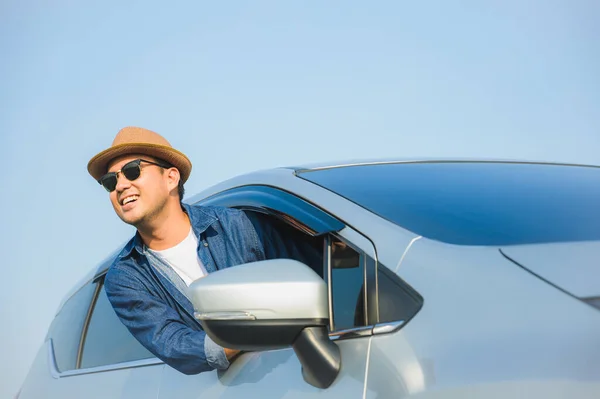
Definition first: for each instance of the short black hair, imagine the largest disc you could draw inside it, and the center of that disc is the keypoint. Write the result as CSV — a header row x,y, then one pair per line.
x,y
180,190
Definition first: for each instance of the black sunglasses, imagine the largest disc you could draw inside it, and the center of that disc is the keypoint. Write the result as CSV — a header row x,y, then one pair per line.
x,y
131,171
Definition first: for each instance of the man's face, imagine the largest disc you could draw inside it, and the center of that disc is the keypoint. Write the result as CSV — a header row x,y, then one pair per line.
x,y
142,199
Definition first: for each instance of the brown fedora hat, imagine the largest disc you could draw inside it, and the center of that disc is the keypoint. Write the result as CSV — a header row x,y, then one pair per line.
x,y
137,140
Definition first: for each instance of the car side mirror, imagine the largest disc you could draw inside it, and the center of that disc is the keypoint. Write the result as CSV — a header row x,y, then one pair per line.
x,y
267,305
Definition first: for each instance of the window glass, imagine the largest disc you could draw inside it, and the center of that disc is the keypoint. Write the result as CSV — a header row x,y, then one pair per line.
x,y
107,340
397,301
474,203
347,276
66,328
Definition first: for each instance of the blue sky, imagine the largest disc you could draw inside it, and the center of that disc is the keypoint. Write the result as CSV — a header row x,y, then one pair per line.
x,y
241,86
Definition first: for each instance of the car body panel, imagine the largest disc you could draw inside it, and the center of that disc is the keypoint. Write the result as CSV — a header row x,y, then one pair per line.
x,y
484,321
130,382
571,266
270,374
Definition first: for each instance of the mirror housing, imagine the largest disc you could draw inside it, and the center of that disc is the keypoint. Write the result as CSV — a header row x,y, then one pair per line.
x,y
268,305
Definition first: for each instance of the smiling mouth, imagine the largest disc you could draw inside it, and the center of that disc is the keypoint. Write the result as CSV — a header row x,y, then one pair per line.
x,y
129,199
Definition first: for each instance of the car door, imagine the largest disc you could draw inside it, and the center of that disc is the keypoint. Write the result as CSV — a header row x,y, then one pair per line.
x,y
347,266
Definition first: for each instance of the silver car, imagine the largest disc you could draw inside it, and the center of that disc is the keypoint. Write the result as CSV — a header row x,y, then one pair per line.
x,y
440,279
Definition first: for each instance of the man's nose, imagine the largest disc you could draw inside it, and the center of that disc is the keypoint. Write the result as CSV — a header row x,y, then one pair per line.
x,y
122,183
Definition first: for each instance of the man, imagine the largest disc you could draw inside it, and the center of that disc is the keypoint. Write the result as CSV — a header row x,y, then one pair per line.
x,y
175,244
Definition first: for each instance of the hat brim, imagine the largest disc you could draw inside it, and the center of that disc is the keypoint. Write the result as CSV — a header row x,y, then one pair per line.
x,y
98,165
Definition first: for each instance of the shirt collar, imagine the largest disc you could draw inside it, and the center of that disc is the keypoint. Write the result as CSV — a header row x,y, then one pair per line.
x,y
199,218
135,243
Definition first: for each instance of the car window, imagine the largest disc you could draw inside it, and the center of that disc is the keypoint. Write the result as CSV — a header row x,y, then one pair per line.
x,y
347,275
66,328
347,282
107,340
397,301
475,203
306,231
283,239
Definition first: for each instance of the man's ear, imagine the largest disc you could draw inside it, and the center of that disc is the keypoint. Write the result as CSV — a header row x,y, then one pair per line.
x,y
173,177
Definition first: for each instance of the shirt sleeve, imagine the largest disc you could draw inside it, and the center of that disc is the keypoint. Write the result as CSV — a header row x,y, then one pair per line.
x,y
157,326
215,354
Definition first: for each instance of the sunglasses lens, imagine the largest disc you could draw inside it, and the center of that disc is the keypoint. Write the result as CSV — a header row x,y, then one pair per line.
x,y
109,182
131,170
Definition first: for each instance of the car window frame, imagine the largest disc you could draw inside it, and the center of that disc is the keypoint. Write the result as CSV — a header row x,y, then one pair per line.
x,y
278,204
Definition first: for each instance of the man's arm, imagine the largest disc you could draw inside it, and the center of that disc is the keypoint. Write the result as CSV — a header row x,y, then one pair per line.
x,y
159,328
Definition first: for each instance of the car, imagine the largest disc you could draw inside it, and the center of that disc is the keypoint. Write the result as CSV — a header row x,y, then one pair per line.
x,y
440,278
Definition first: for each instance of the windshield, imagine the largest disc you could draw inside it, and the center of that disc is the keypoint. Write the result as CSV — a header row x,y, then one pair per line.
x,y
476,203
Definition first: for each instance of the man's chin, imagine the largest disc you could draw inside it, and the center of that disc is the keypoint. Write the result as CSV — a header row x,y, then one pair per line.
x,y
133,220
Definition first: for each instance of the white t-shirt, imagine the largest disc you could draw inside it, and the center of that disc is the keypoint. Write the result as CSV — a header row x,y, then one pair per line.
x,y
183,258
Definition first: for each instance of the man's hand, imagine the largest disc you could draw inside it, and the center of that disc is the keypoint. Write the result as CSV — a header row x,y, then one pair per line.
x,y
231,353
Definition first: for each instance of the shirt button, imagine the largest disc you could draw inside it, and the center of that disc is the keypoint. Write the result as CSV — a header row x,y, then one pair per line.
x,y
205,244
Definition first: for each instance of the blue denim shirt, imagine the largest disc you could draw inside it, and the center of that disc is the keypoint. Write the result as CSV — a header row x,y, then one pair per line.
x,y
159,314
156,312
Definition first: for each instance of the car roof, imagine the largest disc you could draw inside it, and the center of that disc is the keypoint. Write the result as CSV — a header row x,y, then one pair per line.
x,y
396,160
